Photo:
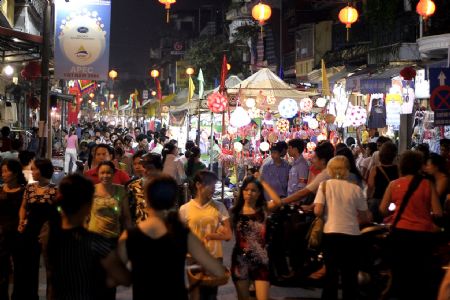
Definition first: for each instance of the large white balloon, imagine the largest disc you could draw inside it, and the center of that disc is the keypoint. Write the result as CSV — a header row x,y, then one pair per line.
x,y
288,108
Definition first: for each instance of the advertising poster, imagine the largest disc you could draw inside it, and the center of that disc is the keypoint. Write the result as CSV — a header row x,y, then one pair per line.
x,y
82,33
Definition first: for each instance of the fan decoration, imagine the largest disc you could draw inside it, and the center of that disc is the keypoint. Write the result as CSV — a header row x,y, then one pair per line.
x,y
264,146
321,102
288,108
283,125
239,117
217,102
306,104
356,116
237,146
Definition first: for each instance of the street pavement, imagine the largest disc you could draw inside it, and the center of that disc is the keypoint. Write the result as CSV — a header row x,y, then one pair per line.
x,y
226,292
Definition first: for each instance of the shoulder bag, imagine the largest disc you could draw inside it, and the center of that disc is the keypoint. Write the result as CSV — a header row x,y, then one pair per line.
x,y
315,232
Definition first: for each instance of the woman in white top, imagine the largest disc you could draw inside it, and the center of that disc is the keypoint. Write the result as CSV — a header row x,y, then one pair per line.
x,y
171,164
342,205
71,142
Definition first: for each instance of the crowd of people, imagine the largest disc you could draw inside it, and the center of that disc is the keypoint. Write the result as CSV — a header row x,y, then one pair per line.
x,y
122,215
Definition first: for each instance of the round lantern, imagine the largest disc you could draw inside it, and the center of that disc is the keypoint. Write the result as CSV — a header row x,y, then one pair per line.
x,y
425,8
113,74
306,104
239,117
273,136
356,116
250,102
167,4
154,73
311,146
312,123
237,146
264,146
270,100
321,102
348,15
283,125
217,102
288,108
261,12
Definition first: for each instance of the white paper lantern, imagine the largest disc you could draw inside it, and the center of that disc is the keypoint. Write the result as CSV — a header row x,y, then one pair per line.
x,y
250,102
237,146
321,102
264,146
288,108
306,104
239,117
312,123
356,116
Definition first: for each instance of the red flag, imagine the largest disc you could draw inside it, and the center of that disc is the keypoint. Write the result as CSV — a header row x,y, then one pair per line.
x,y
158,89
223,74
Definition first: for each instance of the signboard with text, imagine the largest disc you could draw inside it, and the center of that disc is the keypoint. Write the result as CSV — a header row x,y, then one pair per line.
x,y
440,95
82,34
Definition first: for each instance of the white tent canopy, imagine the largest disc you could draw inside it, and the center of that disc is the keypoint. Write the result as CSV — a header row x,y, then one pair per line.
x,y
265,82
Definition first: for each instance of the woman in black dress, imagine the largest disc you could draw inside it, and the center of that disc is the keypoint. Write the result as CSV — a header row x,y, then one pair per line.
x,y
157,247
11,193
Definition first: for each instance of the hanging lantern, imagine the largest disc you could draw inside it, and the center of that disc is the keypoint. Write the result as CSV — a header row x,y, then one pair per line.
x,y
312,123
264,146
154,73
250,102
167,4
306,104
408,73
321,102
283,125
239,117
261,13
348,15
237,146
288,108
356,116
426,8
217,102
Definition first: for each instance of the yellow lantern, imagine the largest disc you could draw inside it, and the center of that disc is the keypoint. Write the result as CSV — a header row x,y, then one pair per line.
x,y
348,15
189,71
112,74
154,73
425,8
261,13
167,4
92,95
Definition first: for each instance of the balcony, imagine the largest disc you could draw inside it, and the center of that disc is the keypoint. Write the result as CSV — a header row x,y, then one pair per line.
x,y
434,46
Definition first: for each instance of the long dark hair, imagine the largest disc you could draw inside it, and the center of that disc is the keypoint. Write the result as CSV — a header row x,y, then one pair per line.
x,y
15,167
438,161
260,204
168,148
161,194
195,153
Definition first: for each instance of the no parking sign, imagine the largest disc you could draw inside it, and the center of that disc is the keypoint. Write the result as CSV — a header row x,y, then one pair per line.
x,y
440,95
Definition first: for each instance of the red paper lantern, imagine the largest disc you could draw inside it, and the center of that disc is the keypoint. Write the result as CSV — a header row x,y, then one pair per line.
x,y
217,102
408,73
425,8
167,4
32,70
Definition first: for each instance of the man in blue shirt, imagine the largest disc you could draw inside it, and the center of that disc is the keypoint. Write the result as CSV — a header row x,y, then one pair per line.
x,y
275,171
298,175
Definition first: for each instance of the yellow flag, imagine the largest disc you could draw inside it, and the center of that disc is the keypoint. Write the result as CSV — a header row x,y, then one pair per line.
x,y
325,83
191,89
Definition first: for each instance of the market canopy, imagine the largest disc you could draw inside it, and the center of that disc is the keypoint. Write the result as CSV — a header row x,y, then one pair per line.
x,y
266,83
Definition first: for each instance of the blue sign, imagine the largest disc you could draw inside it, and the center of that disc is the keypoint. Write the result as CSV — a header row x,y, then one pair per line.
x,y
82,34
440,95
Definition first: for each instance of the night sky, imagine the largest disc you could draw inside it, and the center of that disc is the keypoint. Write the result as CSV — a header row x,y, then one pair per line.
x,y
135,29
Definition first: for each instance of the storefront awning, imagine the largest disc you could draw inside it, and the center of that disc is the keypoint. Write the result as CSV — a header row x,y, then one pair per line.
x,y
16,46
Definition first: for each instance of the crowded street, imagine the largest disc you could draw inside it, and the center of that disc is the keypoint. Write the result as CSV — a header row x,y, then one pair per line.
x,y
224,149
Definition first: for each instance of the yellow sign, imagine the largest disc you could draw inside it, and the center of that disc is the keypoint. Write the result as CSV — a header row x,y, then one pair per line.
x,y
182,79
7,9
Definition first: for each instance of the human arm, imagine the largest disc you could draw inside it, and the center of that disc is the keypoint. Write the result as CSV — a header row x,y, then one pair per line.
x,y
223,233
436,207
319,201
371,182
203,257
23,212
275,200
384,205
444,291
126,214
441,185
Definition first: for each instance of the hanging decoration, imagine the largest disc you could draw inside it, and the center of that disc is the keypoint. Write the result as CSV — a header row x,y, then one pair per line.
x,y
250,102
217,102
330,118
306,104
254,113
356,116
167,4
273,136
321,102
261,13
408,73
239,117
282,125
288,108
237,146
31,71
312,123
425,8
348,15
264,146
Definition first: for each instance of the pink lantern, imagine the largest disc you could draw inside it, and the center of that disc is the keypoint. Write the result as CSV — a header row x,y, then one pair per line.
x,y
356,116
217,102
306,104
283,125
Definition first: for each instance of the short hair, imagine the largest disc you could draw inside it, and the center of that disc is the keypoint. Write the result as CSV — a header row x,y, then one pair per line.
x,y
339,146
338,167
107,163
189,145
139,153
15,167
350,141
205,177
25,157
45,167
425,149
152,160
438,161
372,147
105,146
141,137
325,151
282,145
161,192
388,152
383,139
117,140
75,191
5,131
410,162
297,143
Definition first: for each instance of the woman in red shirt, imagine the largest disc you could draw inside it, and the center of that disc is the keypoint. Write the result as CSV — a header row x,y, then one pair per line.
x,y
413,238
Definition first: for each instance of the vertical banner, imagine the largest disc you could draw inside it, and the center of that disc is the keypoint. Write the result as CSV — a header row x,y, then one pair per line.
x,y
82,34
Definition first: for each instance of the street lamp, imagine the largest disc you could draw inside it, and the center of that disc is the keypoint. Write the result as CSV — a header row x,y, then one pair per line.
x,y
190,71
92,95
154,74
153,93
113,74
8,70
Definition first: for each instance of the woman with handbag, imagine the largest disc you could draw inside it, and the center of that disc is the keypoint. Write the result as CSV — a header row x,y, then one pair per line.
x,y
412,231
342,204
250,261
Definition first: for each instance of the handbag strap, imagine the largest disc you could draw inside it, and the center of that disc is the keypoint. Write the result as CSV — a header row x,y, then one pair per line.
x,y
412,187
384,173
